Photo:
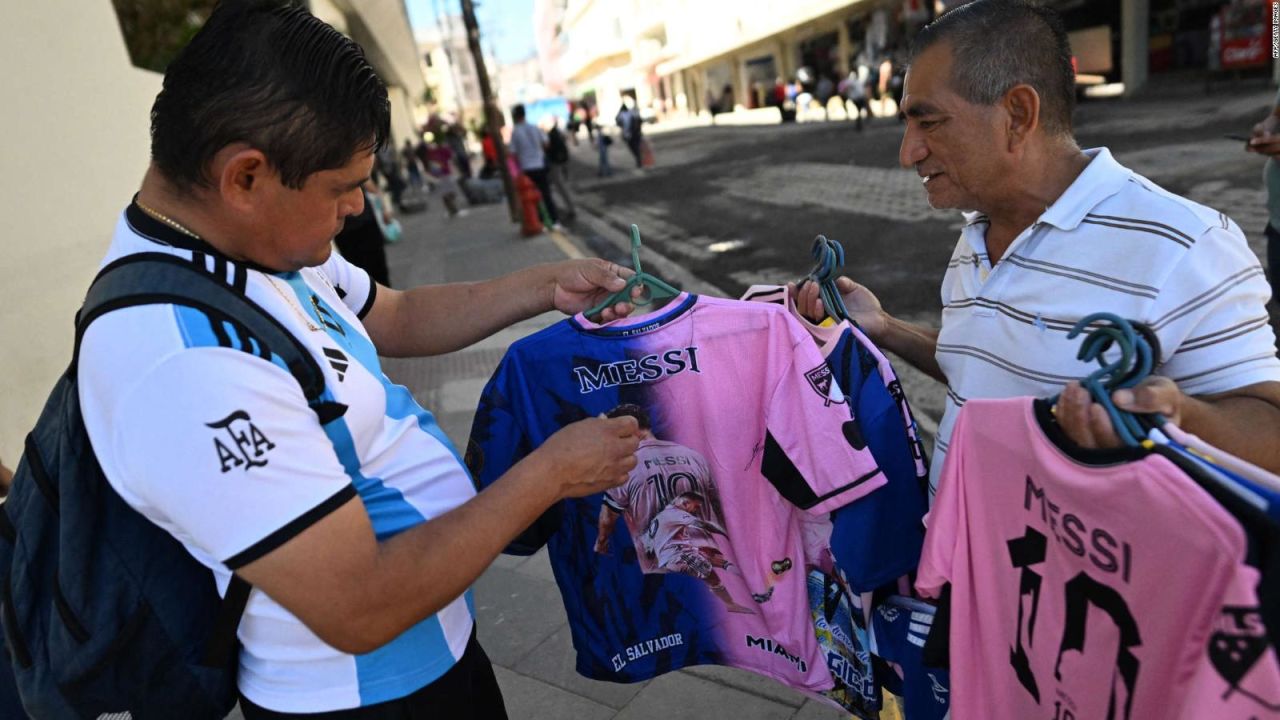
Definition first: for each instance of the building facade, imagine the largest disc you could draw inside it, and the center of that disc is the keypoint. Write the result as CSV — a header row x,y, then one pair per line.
x,y
678,56
77,145
450,70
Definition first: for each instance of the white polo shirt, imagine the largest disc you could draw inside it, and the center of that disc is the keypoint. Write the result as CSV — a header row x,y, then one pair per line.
x,y
1113,242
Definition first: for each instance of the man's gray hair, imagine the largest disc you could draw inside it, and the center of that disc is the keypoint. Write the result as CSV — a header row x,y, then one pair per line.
x,y
997,44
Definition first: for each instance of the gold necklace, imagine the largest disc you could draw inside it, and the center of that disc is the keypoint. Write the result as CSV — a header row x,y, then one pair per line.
x,y
292,304
166,219
270,280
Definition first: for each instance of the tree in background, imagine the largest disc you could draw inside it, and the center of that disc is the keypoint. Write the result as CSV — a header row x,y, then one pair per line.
x,y
155,30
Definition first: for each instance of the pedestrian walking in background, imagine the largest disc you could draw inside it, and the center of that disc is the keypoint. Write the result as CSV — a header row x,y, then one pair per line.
x,y
897,86
490,153
885,72
824,92
388,165
589,118
440,168
854,91
1266,141
629,123
603,141
409,156
383,213
456,138
558,165
362,242
529,148
721,104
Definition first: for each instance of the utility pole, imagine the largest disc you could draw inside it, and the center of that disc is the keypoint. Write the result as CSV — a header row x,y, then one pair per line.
x,y
492,116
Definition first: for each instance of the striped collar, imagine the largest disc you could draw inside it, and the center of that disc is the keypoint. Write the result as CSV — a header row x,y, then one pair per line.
x,y
1100,179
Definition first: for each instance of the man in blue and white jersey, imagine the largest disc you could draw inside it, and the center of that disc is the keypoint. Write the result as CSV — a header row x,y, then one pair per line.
x,y
360,535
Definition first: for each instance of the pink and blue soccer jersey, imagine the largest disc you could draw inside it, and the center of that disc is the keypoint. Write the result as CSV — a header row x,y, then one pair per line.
x,y
699,557
1084,583
878,539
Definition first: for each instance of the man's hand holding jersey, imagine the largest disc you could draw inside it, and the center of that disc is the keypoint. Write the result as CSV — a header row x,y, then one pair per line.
x,y
367,591
1226,420
588,456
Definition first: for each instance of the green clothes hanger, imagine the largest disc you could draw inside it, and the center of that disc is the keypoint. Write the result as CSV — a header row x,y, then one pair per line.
x,y
655,290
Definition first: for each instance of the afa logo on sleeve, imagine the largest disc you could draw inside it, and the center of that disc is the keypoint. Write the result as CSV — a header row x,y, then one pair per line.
x,y
245,445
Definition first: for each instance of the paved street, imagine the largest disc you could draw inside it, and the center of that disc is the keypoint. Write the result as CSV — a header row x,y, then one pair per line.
x,y
726,207
736,205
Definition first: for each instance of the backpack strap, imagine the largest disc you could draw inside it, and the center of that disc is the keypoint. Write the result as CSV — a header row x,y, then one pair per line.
x,y
160,278
222,641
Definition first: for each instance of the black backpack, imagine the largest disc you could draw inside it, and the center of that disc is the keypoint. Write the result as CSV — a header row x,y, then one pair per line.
x,y
104,611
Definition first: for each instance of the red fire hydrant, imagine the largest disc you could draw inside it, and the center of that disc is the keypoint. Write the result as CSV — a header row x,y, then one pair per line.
x,y
531,220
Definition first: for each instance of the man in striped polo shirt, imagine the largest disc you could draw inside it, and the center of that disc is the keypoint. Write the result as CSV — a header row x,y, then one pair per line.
x,y
1057,233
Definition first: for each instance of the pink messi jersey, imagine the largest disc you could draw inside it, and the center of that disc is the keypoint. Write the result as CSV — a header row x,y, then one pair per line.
x,y
1083,585
699,556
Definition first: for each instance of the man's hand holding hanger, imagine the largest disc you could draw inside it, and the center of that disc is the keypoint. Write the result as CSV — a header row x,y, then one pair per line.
x,y
1088,424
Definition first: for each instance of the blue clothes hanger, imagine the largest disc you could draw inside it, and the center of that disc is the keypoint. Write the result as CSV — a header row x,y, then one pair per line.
x,y
1136,361
655,290
829,258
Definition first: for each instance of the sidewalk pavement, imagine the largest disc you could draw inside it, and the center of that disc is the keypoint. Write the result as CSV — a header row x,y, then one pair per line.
x,y
521,619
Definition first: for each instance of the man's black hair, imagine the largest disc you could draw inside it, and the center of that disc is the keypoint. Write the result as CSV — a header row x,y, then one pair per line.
x,y
997,44
269,74
640,414
517,112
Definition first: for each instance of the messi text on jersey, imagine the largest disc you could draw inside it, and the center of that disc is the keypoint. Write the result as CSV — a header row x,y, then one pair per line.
x,y
634,372
1070,531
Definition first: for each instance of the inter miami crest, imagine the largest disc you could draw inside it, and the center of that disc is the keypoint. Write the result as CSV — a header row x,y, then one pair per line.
x,y
824,384
1239,641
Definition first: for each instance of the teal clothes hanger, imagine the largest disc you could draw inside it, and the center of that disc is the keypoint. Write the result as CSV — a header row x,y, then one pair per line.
x,y
1135,363
655,290
829,257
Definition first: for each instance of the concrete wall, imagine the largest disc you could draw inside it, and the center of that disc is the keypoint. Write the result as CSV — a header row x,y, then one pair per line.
x,y
75,129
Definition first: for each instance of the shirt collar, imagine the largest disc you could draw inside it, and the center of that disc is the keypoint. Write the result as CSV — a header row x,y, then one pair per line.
x,y
160,233
1100,179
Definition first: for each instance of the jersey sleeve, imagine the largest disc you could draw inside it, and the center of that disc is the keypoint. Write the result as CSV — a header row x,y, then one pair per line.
x,y
357,290
1211,318
617,498
814,453
220,448
945,520
498,441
